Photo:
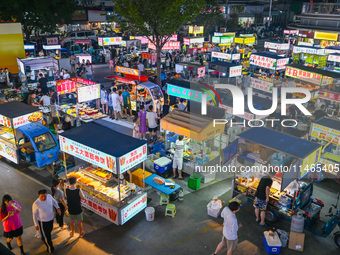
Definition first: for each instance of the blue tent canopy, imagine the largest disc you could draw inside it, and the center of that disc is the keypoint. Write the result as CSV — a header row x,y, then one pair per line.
x,y
103,139
288,144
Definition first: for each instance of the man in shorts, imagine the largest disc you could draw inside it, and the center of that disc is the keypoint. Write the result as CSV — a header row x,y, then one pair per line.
x,y
178,158
126,101
262,197
230,228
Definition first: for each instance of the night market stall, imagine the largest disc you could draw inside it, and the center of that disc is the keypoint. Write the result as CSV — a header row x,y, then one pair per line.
x,y
107,157
24,138
277,47
326,132
309,56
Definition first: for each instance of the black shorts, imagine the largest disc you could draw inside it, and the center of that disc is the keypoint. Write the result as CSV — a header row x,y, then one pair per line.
x,y
14,233
127,106
153,129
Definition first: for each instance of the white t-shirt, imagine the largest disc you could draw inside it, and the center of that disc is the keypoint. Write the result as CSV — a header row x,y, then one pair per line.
x,y
151,117
115,99
126,64
230,225
66,76
43,210
88,70
46,100
179,147
141,67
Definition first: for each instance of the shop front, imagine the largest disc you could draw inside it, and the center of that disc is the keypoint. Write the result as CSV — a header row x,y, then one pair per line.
x,y
325,39
326,132
309,56
24,138
106,158
203,141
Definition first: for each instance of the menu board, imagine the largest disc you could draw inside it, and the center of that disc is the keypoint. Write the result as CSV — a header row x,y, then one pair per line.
x,y
132,158
88,154
310,162
88,93
5,121
325,133
66,86
261,61
30,117
8,152
330,95
235,71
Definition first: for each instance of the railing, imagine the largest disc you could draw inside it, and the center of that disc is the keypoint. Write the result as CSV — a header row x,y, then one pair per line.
x,y
321,8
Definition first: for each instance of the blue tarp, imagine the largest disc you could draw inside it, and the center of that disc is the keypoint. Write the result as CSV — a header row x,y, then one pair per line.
x,y
103,139
287,144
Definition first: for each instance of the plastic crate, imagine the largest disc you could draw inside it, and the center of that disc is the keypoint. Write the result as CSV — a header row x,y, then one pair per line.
x,y
194,181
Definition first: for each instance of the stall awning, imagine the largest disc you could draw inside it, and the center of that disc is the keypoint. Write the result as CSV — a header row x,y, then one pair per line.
x,y
308,50
191,125
16,109
330,123
288,144
40,63
103,139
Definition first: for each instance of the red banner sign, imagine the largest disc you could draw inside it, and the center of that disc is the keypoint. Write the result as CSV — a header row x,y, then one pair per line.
x,y
303,75
167,46
330,95
66,86
82,42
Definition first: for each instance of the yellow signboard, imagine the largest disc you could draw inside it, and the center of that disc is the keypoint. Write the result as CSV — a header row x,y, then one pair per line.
x,y
326,36
239,40
326,134
310,162
249,40
196,30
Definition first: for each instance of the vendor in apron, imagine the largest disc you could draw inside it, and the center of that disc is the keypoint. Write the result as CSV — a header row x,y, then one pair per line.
x,y
178,158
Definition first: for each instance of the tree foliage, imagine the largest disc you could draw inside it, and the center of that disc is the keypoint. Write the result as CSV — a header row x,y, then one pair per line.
x,y
41,15
211,17
157,18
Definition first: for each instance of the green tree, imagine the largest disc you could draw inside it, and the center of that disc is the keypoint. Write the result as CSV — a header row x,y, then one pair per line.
x,y
211,17
158,18
41,15
232,23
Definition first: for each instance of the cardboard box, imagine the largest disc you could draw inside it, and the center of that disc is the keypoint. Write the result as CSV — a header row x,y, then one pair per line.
x,y
296,241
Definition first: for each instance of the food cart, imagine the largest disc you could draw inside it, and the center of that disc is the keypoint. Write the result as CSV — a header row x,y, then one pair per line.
x,y
262,150
27,65
277,47
310,56
107,157
203,141
224,40
334,62
190,70
134,74
290,35
317,81
82,91
326,132
225,69
22,137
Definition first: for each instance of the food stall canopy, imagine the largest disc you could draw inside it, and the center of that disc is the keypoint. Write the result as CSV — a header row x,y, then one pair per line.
x,y
259,103
288,144
334,57
269,60
191,125
310,74
29,64
16,109
327,130
109,141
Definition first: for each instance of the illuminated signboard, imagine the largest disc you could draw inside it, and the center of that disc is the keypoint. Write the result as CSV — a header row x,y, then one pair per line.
x,y
186,93
314,51
186,41
127,70
235,71
326,36
303,75
334,58
132,158
215,39
102,41
51,47
29,46
88,93
227,40
305,44
276,46
171,45
133,208
196,30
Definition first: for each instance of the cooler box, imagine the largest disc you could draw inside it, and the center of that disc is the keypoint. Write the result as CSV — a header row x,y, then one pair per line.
x,y
162,165
194,181
137,177
272,243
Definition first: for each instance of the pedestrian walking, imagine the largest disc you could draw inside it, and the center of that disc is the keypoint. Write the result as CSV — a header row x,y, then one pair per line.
x,y
151,122
230,228
9,215
43,215
73,63
59,196
74,197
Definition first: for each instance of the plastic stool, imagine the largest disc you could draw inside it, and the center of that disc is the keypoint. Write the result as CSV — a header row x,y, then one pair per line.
x,y
170,210
164,200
